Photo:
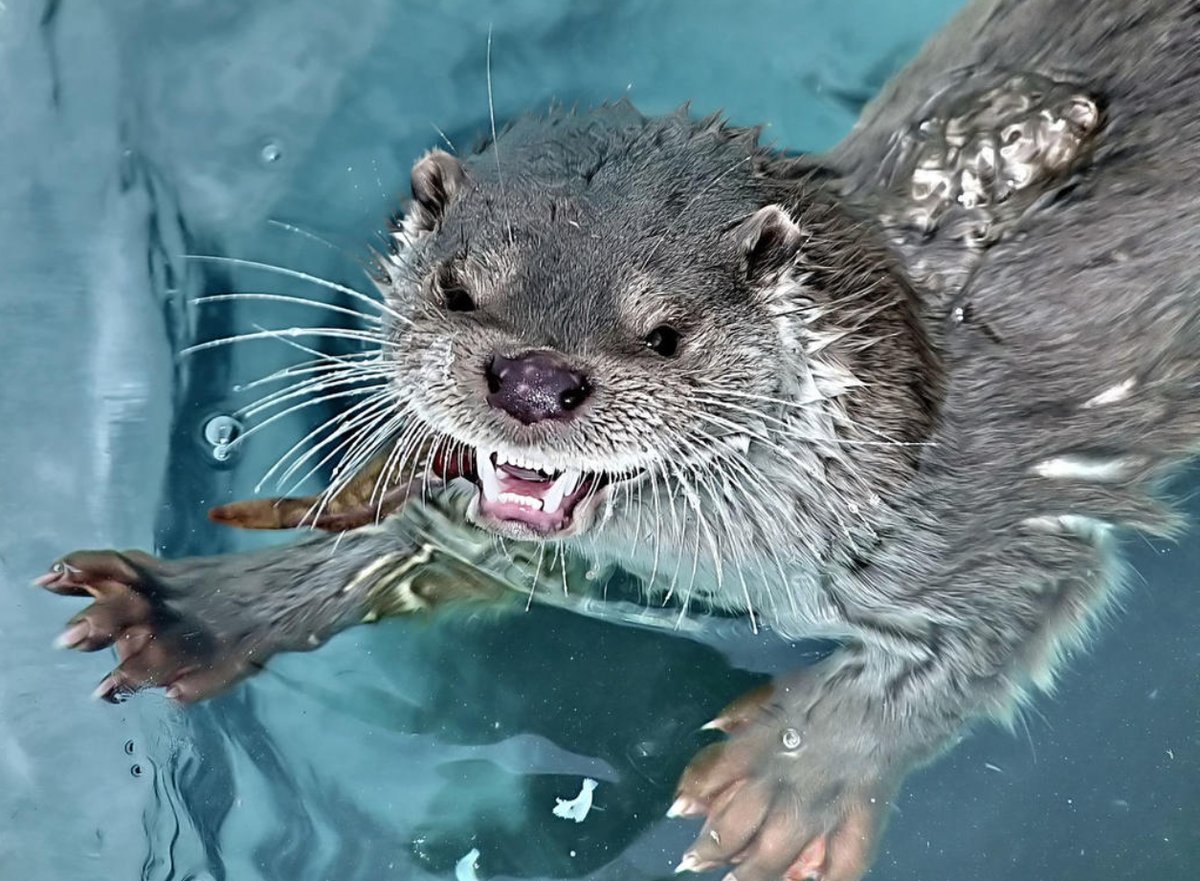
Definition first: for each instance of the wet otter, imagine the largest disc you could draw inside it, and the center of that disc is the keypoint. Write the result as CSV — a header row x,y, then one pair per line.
x,y
904,395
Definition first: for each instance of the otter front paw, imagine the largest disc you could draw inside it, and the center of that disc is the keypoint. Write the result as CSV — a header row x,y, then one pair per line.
x,y
800,790
158,642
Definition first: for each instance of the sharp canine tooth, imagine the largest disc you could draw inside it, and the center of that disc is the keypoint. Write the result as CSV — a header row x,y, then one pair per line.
x,y
558,491
487,474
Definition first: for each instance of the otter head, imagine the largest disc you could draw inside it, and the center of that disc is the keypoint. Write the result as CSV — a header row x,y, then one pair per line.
x,y
596,317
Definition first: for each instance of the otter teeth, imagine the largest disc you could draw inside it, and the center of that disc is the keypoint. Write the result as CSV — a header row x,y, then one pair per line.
x,y
563,484
487,475
522,462
523,501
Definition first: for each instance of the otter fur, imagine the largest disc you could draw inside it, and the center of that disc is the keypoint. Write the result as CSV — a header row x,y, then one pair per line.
x,y
906,395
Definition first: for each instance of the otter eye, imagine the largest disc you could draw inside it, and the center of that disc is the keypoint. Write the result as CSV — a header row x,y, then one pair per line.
x,y
455,297
458,300
664,340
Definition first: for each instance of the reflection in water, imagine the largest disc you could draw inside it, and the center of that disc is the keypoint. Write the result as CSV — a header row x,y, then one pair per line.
x,y
485,725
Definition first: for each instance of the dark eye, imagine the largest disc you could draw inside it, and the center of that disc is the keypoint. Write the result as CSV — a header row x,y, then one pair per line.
x,y
458,300
664,340
454,295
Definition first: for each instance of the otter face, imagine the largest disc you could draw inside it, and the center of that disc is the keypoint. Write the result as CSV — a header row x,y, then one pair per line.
x,y
583,329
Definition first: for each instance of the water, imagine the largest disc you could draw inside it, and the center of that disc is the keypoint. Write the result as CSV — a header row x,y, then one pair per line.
x,y
135,131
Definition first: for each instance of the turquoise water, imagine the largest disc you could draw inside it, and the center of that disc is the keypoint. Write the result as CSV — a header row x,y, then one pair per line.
x,y
135,131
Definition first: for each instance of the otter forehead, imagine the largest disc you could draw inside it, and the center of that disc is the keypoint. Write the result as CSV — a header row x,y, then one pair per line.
x,y
577,225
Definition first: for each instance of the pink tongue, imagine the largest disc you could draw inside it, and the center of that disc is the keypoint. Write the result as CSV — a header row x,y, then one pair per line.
x,y
538,521
534,485
522,482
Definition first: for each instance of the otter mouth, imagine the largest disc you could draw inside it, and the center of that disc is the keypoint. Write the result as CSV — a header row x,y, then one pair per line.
x,y
527,499
521,498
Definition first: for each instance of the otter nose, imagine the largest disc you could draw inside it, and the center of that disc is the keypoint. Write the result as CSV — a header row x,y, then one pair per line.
x,y
535,386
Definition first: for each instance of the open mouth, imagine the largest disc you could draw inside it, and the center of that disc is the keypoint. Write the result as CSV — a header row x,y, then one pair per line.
x,y
527,499
514,491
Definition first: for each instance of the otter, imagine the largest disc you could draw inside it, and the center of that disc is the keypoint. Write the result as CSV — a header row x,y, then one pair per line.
x,y
906,395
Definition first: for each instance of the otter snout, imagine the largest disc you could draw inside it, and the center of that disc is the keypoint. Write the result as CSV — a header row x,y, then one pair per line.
x,y
535,386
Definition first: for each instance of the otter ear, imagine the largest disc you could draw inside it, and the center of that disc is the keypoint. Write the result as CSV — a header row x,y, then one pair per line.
x,y
436,179
769,239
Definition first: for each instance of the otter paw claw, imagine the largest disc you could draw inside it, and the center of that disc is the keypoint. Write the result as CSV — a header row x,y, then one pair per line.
x,y
783,797
156,645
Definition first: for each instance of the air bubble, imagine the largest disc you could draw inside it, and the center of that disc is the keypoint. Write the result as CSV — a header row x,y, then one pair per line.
x,y
791,739
222,430
129,747
136,770
270,153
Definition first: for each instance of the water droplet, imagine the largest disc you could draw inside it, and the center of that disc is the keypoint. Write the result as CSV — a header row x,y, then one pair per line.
x,y
136,770
270,152
222,430
791,739
129,747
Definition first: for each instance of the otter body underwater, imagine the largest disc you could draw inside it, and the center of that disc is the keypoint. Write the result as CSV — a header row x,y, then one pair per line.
x,y
906,395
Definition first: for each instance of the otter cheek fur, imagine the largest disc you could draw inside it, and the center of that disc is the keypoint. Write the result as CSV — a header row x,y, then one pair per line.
x,y
905,395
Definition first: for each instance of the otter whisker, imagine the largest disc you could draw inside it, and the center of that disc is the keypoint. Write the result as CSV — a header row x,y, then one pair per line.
x,y
724,457
302,276
680,532
415,442
317,384
312,385
693,499
341,423
345,425
723,461
792,432
327,332
255,429
390,470
317,365
561,553
287,298
804,405
657,528
444,137
346,436
361,447
366,448
537,573
495,140
345,359
308,234
370,437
